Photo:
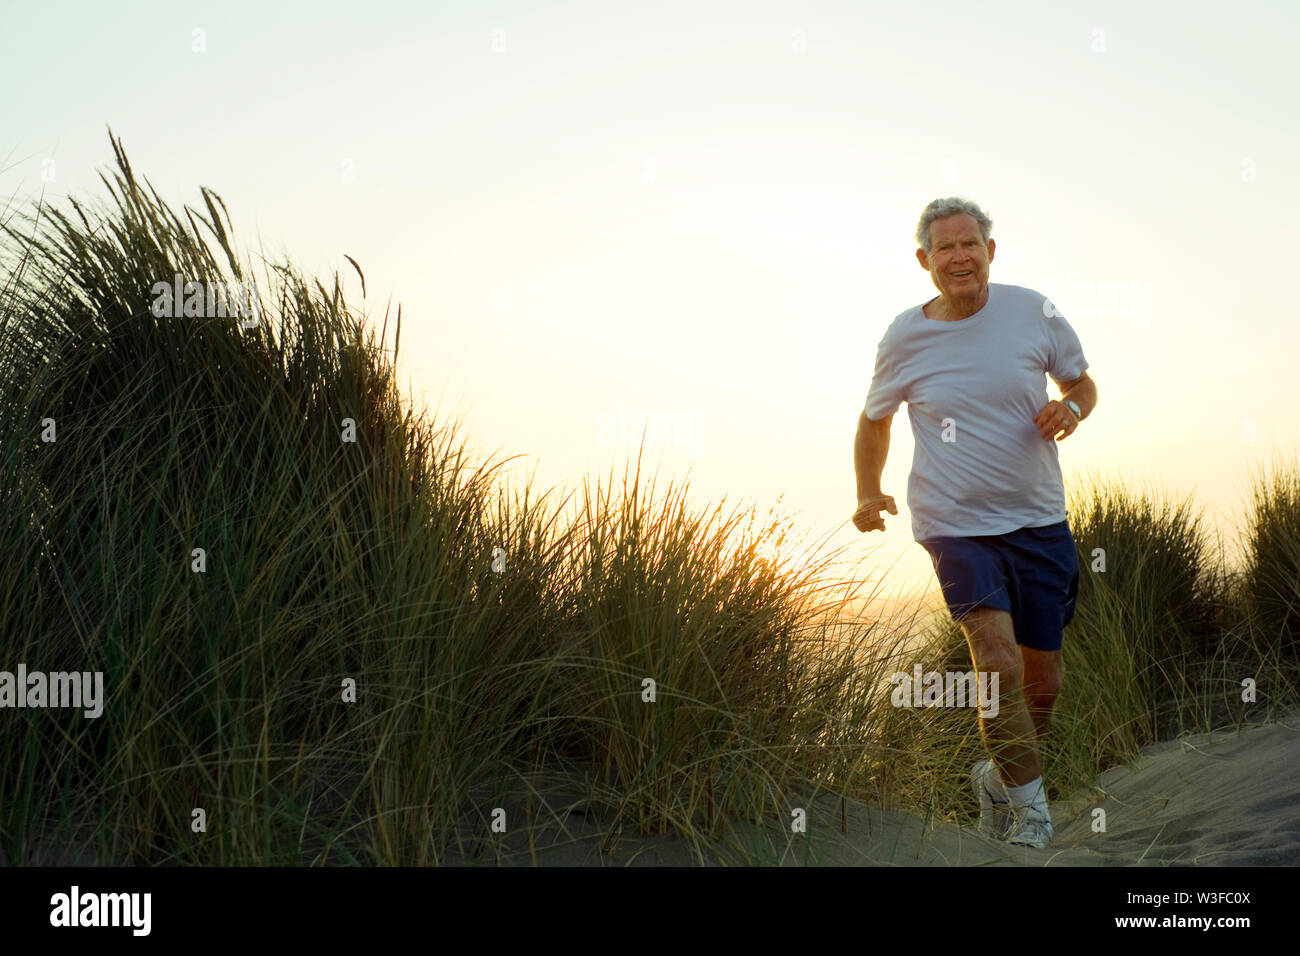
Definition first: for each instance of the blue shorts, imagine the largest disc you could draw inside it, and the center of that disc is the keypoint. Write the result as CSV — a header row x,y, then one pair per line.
x,y
1032,572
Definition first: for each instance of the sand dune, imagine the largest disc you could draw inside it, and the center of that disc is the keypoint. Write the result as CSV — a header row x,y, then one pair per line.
x,y
1219,799
1223,799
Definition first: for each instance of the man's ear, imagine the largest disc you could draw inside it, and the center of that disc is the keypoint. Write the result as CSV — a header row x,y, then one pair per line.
x,y
922,258
992,245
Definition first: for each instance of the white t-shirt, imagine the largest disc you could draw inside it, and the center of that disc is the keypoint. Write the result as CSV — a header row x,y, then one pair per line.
x,y
972,389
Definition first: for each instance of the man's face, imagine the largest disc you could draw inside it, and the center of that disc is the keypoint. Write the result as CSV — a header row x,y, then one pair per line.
x,y
958,261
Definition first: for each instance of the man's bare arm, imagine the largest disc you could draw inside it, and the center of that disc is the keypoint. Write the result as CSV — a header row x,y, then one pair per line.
x,y
870,448
1083,392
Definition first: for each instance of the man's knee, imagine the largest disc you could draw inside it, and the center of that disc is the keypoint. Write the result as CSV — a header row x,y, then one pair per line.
x,y
1042,673
1042,688
992,642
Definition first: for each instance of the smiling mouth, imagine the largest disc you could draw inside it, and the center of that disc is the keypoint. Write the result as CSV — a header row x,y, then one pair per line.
x,y
960,275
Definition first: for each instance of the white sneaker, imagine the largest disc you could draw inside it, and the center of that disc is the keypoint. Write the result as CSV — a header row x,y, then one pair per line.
x,y
1029,827
994,813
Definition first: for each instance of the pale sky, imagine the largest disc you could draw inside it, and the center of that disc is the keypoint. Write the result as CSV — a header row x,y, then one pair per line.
x,y
704,211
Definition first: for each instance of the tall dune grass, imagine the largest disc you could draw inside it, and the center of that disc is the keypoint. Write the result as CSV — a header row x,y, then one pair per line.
x,y
609,653
1271,578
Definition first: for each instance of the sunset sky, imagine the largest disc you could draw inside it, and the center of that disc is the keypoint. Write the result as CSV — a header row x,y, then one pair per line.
x,y
704,211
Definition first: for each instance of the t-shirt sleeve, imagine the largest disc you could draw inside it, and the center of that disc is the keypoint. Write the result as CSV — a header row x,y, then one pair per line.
x,y
887,388
1065,361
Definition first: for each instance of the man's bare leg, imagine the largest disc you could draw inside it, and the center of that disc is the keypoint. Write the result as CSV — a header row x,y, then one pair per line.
x,y
1010,735
1042,685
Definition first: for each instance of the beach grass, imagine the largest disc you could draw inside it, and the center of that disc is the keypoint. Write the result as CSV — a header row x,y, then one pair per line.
x,y
332,635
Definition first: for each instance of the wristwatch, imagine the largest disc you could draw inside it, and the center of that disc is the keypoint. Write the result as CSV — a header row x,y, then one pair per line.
x,y
1073,406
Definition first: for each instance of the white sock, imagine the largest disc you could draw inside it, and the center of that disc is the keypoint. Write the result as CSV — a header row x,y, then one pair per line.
x,y
1031,794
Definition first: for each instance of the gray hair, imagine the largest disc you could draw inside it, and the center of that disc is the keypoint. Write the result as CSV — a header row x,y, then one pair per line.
x,y
952,206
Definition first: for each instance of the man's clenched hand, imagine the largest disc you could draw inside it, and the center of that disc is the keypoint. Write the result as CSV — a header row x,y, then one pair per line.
x,y
1054,418
867,517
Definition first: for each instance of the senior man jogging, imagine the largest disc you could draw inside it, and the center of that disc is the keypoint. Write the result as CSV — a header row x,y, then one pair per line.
x,y
985,492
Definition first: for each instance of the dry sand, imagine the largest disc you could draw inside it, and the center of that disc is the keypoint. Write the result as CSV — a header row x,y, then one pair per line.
x,y
1223,799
